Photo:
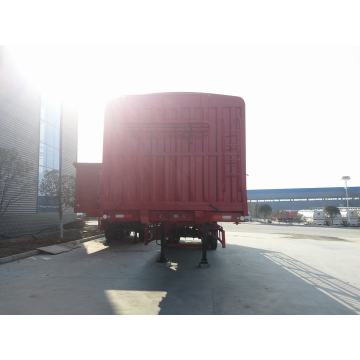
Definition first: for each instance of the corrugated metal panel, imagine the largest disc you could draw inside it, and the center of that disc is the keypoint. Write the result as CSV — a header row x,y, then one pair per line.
x,y
19,129
70,133
175,151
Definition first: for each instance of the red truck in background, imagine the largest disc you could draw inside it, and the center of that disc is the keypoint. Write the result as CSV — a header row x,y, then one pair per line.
x,y
173,166
286,216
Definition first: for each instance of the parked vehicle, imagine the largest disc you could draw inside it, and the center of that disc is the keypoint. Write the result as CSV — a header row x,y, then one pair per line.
x,y
173,166
319,217
287,216
336,220
353,219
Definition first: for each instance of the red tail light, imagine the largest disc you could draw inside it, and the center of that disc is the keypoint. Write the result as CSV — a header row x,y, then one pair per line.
x,y
124,216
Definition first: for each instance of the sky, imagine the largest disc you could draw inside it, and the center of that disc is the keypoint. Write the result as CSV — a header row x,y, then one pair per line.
x,y
301,93
302,110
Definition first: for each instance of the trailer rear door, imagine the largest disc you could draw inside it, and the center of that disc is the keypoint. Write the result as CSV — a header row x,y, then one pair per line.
x,y
175,151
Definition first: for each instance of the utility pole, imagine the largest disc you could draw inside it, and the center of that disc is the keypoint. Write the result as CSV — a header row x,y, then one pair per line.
x,y
346,178
61,221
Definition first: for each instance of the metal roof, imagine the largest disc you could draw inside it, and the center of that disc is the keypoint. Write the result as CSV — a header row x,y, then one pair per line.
x,y
302,193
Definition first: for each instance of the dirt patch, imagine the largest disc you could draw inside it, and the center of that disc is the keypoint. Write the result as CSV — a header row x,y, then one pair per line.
x,y
73,231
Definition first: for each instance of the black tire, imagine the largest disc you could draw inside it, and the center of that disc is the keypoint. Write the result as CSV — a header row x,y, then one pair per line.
x,y
109,237
212,242
141,235
175,239
113,234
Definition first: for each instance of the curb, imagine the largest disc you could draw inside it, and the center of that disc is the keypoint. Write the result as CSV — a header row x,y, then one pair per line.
x,y
27,254
19,256
80,241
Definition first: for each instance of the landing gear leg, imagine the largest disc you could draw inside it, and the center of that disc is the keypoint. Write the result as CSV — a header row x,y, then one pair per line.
x,y
162,258
204,247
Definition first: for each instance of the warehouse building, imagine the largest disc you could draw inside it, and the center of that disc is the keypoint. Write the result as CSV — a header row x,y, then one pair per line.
x,y
30,125
305,198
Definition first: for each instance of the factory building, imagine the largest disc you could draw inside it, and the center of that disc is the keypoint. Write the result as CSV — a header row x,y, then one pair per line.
x,y
305,198
30,125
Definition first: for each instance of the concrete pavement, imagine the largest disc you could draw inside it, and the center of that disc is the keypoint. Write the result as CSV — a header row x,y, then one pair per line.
x,y
265,269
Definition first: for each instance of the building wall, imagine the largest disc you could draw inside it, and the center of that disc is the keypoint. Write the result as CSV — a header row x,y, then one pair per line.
x,y
19,128
70,135
303,205
14,225
20,111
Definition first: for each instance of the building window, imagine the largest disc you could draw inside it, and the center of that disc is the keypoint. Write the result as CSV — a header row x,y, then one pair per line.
x,y
49,147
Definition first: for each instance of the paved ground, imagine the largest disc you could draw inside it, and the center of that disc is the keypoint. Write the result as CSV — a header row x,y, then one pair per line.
x,y
265,269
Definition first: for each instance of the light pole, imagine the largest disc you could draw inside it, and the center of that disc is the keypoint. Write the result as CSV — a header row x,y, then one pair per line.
x,y
346,179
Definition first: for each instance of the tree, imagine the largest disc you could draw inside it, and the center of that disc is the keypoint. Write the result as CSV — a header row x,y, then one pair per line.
x,y
264,211
14,178
332,211
49,186
253,209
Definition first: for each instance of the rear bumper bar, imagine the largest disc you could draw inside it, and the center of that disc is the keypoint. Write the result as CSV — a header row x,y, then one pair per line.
x,y
154,217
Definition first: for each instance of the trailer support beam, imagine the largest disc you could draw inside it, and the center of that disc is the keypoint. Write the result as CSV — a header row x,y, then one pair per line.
x,y
162,258
204,248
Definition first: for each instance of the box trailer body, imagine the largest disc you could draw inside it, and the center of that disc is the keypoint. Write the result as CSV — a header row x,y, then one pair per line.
x,y
169,158
87,189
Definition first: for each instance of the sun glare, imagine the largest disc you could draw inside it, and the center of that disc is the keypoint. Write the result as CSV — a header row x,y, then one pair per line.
x,y
65,72
89,75
80,76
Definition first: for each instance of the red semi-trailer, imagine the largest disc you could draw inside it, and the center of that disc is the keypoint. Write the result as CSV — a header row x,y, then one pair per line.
x,y
173,166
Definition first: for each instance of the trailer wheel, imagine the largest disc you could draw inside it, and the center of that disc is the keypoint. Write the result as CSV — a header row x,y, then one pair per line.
x,y
141,235
212,242
109,236
113,234
175,239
